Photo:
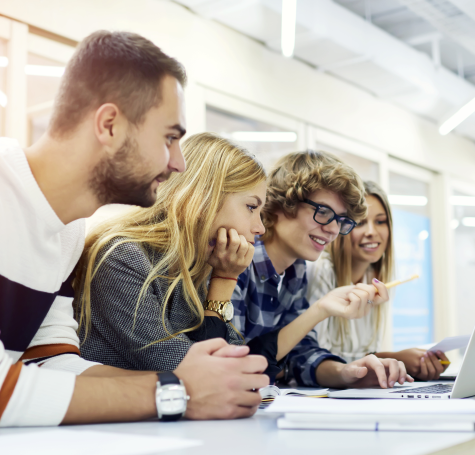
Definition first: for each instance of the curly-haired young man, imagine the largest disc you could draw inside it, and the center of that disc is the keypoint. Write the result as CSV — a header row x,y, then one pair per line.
x,y
312,198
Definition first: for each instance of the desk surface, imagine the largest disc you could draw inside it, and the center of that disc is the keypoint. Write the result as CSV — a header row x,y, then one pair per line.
x,y
259,435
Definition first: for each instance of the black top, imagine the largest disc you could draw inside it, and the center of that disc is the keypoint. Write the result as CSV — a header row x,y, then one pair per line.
x,y
137,337
266,345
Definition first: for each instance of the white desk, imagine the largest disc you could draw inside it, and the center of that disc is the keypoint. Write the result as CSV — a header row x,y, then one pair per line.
x,y
259,435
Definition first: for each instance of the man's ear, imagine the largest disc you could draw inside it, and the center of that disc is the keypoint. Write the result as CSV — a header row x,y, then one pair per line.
x,y
110,126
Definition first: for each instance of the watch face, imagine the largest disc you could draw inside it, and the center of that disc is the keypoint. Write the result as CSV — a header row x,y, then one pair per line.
x,y
228,312
172,399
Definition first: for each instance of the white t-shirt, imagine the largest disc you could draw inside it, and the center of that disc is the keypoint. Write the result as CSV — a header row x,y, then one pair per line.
x,y
37,255
361,336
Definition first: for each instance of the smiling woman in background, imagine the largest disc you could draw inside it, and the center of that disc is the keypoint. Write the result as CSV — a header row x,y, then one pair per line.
x,y
365,254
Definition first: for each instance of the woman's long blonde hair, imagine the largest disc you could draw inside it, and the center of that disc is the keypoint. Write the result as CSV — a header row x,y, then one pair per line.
x,y
340,253
178,225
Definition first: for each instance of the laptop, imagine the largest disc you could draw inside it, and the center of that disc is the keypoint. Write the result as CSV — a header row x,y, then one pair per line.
x,y
463,387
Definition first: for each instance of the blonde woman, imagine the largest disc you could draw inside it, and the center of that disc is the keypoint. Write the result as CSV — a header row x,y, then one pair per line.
x,y
365,254
142,282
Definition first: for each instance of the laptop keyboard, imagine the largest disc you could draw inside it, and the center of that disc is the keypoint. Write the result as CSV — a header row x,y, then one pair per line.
x,y
436,389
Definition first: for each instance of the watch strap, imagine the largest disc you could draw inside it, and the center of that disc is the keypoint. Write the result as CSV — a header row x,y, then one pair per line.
x,y
218,306
170,417
165,378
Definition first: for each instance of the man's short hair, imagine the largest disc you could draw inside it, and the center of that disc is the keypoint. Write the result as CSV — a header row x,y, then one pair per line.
x,y
299,174
112,67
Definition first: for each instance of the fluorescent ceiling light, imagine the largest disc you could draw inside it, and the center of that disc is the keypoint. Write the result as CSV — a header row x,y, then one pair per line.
x,y
289,13
456,119
468,221
467,201
396,199
3,61
44,70
264,136
3,99
454,224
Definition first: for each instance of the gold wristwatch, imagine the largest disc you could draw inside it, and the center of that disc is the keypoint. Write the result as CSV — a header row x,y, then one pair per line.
x,y
224,309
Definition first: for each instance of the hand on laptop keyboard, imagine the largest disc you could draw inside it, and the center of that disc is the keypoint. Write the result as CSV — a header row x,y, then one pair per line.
x,y
371,371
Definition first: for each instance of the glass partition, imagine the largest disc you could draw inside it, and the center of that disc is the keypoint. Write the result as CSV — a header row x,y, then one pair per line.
x,y
3,77
43,80
412,308
267,142
366,169
463,225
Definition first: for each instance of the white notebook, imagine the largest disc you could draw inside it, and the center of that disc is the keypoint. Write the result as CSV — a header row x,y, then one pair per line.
x,y
374,423
372,407
374,415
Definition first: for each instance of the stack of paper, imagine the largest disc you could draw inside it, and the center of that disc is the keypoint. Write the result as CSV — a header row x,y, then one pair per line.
x,y
375,415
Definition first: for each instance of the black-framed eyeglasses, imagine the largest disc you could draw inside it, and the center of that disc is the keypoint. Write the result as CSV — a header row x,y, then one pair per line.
x,y
325,215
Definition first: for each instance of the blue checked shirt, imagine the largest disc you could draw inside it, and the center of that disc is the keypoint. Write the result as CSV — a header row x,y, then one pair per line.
x,y
260,307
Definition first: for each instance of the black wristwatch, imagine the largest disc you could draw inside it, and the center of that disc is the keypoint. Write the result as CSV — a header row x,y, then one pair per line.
x,y
170,396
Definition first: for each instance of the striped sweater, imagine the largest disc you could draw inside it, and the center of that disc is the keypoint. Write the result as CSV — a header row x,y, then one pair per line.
x,y
37,255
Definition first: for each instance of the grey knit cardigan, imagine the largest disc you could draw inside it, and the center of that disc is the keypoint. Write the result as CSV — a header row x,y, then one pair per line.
x,y
120,333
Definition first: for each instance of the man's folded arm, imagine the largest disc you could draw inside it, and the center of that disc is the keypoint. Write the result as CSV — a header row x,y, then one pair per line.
x,y
31,396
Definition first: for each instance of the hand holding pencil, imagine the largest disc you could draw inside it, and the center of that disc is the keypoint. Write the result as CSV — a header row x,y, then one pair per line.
x,y
421,364
395,283
350,302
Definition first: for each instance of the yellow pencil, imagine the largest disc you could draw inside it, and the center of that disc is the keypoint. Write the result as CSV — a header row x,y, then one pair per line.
x,y
392,284
398,282
444,362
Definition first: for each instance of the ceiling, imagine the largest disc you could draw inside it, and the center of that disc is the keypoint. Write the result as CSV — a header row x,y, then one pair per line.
x,y
418,54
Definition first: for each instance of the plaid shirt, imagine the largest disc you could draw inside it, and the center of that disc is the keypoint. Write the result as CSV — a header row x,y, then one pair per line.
x,y
260,307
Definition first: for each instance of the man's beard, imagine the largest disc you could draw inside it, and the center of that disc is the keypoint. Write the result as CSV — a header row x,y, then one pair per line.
x,y
122,179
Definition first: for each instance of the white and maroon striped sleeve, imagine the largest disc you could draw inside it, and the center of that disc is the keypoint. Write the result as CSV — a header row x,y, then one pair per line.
x,y
32,396
56,343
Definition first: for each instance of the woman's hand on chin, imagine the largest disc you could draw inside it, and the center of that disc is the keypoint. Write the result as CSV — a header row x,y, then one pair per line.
x,y
232,254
